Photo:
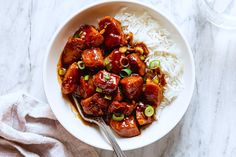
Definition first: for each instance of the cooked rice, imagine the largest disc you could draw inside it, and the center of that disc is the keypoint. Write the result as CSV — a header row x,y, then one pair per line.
x,y
160,45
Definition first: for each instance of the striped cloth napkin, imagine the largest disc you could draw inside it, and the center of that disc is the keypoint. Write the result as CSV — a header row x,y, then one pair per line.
x,y
29,128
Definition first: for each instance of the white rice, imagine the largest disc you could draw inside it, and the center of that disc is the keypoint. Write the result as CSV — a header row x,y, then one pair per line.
x,y
160,45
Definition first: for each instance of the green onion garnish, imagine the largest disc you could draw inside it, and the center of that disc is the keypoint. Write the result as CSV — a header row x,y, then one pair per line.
x,y
118,116
142,58
154,64
108,97
81,65
86,77
107,77
62,71
109,67
125,72
106,61
149,111
139,49
77,35
156,80
99,90
123,49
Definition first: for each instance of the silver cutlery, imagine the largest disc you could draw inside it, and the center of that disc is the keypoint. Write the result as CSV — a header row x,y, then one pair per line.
x,y
101,123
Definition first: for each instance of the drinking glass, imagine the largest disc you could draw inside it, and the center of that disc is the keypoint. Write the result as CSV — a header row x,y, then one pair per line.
x,y
221,13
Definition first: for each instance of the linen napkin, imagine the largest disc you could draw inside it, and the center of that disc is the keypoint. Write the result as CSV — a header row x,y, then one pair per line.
x,y
29,128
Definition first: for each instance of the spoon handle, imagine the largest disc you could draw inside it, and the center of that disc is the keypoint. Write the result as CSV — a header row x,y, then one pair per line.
x,y
111,138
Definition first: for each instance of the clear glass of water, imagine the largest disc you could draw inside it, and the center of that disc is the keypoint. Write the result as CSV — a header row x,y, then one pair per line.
x,y
221,13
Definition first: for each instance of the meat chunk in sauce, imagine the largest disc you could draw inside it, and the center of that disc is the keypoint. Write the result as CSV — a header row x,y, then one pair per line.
x,y
140,116
96,105
113,35
132,87
126,128
86,87
91,37
118,95
105,52
121,107
136,64
108,82
71,79
113,61
93,58
153,93
72,51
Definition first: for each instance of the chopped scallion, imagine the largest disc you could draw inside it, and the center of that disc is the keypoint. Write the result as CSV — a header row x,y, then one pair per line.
x,y
142,58
86,77
107,77
123,49
125,72
149,111
81,65
154,64
99,90
108,97
118,117
62,71
139,49
106,61
156,80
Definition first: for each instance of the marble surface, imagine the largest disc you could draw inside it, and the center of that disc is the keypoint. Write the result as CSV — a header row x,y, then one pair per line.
x,y
209,127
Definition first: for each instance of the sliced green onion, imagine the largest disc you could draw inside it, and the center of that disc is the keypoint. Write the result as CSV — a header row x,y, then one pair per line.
x,y
156,80
106,61
149,111
139,49
123,49
81,65
99,90
77,35
109,67
62,71
125,72
108,97
107,77
142,58
154,64
86,77
118,116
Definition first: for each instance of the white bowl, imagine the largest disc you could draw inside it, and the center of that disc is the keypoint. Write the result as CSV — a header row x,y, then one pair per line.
x,y
170,116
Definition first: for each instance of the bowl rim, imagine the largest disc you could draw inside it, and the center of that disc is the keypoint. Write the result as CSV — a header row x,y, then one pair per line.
x,y
84,8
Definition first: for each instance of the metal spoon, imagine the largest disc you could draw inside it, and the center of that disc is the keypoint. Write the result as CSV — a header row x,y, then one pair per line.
x,y
101,123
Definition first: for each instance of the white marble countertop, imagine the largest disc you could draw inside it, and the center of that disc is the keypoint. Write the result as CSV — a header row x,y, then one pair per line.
x,y
209,127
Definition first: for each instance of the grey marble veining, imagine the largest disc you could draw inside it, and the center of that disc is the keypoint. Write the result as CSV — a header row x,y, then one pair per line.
x,y
209,127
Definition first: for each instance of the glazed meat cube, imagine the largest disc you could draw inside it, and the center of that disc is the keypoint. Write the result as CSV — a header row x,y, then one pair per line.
x,y
121,107
140,116
93,58
71,79
113,35
90,35
72,51
108,82
136,64
153,93
132,86
126,128
118,95
113,61
95,105
86,87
